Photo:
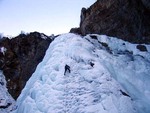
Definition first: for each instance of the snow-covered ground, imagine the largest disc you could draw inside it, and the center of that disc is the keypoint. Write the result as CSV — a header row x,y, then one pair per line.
x,y
107,75
7,103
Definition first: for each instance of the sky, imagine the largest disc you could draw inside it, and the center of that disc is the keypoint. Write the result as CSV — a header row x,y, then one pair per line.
x,y
46,16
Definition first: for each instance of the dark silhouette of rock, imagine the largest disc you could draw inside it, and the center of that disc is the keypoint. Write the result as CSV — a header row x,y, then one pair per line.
x,y
125,19
146,3
124,93
21,56
141,48
75,30
92,64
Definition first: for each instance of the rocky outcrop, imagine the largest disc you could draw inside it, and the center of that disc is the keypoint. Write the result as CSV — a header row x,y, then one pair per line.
x,y
19,57
146,3
126,19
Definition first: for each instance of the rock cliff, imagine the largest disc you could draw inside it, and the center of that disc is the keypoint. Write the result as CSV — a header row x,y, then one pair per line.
x,y
19,57
126,19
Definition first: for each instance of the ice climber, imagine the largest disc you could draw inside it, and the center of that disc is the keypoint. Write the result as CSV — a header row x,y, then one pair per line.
x,y
67,69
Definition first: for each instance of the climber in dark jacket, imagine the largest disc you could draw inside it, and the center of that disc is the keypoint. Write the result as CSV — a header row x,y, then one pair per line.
x,y
67,68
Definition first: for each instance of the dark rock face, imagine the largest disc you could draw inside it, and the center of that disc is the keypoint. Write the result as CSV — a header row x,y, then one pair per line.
x,y
146,3
141,48
75,30
126,19
19,57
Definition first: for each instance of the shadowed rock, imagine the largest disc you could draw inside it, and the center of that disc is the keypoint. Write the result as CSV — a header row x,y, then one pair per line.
x,y
21,56
125,19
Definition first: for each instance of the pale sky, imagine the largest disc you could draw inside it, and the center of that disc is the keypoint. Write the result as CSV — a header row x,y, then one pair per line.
x,y
46,16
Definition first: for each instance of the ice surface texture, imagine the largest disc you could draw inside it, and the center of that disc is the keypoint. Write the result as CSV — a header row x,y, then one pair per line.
x,y
98,67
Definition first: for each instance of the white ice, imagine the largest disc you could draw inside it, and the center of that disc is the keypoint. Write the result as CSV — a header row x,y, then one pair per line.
x,y
89,88
7,103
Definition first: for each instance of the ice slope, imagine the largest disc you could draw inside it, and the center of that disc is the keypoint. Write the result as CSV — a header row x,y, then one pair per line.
x,y
92,86
7,103
128,65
